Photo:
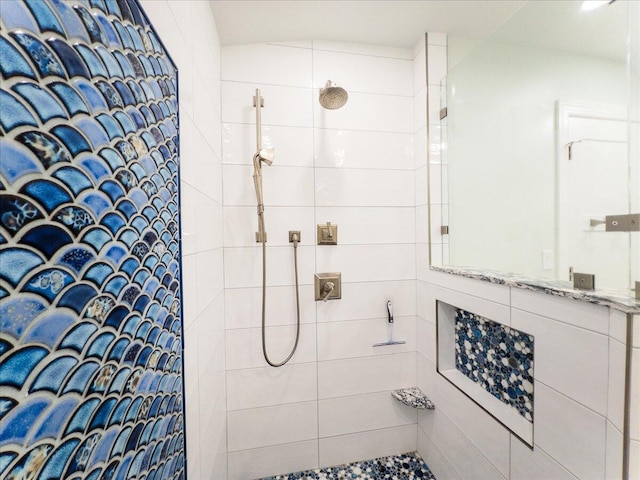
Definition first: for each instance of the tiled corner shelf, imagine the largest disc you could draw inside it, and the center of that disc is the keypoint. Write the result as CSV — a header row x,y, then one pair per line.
x,y
413,397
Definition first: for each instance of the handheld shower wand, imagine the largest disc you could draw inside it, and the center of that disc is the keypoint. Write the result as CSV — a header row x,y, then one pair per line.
x,y
266,155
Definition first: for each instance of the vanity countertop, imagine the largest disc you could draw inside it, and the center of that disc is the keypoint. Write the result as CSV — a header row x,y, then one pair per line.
x,y
558,288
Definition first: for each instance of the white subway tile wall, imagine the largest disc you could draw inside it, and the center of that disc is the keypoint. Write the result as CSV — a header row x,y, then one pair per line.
x,y
353,167
187,29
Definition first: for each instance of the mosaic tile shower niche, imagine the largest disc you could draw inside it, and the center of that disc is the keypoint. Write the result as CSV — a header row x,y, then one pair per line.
x,y
498,358
91,348
489,362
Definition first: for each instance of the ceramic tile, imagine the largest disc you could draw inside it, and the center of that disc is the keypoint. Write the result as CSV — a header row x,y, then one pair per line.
x,y
407,466
92,325
363,73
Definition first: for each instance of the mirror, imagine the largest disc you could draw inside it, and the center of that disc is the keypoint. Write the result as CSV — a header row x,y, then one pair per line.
x,y
539,146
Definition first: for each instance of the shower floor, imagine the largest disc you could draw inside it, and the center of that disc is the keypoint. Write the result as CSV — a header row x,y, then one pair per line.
x,y
407,466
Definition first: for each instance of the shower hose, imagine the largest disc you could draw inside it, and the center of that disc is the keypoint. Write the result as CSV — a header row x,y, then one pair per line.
x,y
264,294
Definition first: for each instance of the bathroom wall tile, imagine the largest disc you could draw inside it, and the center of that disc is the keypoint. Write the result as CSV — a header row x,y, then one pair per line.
x,y
244,306
636,331
433,457
528,464
241,224
209,277
618,325
293,145
212,447
422,259
372,444
363,73
426,339
267,64
189,196
420,147
420,71
209,226
436,222
360,263
189,295
480,429
488,291
243,266
580,314
356,338
355,376
580,373
614,455
285,106
362,49
244,346
363,188
369,300
282,186
436,185
459,451
367,111
421,186
420,110
437,59
575,434
273,460
425,308
192,430
422,224
615,397
634,410
359,413
488,309
370,225
261,427
259,387
363,149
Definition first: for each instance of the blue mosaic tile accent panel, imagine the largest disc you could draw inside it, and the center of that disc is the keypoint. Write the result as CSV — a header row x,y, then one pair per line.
x,y
496,357
90,292
406,466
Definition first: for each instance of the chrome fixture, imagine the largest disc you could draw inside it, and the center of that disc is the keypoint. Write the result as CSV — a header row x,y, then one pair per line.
x,y
390,341
266,155
327,234
333,97
328,286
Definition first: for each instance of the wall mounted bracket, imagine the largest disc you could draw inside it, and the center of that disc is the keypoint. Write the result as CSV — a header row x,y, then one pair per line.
x,y
584,281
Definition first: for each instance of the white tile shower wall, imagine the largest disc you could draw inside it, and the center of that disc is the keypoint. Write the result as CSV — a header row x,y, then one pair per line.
x,y
355,168
579,383
187,28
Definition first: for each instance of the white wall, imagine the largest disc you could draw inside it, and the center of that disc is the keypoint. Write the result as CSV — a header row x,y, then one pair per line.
x,y
355,168
188,31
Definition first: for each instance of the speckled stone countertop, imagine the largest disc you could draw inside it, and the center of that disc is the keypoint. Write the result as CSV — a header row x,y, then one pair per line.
x,y
559,288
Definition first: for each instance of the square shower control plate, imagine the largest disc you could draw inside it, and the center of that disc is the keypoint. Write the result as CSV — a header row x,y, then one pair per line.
x,y
323,291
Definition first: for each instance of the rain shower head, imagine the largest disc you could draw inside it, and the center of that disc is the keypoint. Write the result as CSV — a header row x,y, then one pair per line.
x,y
333,97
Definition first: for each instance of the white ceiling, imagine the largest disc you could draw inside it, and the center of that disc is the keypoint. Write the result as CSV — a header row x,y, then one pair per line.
x,y
398,23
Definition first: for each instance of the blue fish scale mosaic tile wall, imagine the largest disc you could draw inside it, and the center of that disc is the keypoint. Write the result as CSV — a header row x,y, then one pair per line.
x,y
496,357
90,314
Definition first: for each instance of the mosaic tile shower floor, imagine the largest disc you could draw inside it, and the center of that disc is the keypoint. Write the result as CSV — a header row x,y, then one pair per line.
x,y
407,466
